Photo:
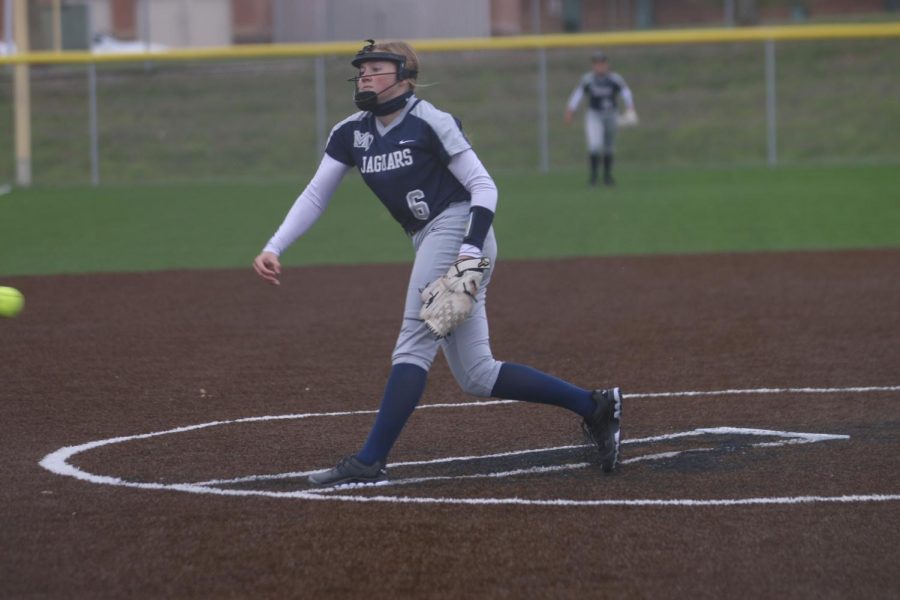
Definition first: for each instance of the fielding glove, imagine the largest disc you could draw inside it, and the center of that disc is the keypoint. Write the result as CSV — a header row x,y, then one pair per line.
x,y
449,300
628,118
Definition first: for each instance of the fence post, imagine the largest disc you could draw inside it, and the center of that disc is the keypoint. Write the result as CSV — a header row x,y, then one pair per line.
x,y
321,104
92,124
92,104
728,9
7,24
143,19
56,24
22,93
543,130
771,121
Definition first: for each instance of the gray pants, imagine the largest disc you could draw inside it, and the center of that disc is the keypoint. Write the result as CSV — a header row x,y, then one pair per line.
x,y
468,348
600,131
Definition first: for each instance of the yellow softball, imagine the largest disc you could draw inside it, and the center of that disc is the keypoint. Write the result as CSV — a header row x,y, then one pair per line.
x,y
11,302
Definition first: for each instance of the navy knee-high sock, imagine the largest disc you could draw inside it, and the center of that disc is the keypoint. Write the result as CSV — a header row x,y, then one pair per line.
x,y
518,382
404,388
607,168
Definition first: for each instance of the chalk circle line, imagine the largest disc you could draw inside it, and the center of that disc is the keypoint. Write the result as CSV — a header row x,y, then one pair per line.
x,y
58,462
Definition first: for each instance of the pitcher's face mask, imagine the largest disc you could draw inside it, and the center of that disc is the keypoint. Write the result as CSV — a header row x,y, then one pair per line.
x,y
368,99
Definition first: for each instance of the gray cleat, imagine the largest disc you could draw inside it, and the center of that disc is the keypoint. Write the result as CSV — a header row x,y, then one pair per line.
x,y
350,470
603,427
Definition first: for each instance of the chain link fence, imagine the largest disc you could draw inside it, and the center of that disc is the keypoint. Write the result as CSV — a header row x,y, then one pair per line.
x,y
701,106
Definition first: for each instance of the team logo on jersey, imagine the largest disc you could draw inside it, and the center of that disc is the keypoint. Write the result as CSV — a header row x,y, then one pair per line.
x,y
386,162
602,90
362,139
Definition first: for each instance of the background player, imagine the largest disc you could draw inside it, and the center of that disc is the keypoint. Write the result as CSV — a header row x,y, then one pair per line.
x,y
419,164
603,87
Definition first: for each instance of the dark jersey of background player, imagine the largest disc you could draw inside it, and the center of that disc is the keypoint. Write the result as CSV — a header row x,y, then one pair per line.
x,y
603,89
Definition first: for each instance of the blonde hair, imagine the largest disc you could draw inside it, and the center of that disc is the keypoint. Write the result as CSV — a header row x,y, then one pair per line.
x,y
403,49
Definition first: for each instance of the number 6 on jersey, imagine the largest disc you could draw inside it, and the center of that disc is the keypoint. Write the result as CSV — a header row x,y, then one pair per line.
x,y
418,208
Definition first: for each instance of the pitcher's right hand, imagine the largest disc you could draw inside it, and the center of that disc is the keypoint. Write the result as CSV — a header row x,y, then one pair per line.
x,y
268,267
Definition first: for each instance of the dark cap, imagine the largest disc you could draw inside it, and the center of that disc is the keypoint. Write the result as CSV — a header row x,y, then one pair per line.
x,y
599,56
368,53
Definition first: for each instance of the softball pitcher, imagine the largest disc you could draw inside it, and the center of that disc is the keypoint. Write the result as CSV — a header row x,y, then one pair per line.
x,y
419,164
603,87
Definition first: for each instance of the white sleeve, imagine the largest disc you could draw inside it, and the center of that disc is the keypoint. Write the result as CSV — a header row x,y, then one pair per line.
x,y
624,91
575,98
309,205
467,168
627,98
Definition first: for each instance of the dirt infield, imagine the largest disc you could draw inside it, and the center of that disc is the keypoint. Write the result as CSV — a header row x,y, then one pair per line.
x,y
755,490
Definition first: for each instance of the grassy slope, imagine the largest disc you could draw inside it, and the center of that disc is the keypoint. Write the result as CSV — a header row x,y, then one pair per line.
x,y
60,230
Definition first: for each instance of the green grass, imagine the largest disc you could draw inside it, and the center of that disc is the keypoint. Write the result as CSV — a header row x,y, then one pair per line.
x,y
112,228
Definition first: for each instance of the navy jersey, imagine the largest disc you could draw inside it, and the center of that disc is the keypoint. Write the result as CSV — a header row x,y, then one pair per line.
x,y
602,90
405,163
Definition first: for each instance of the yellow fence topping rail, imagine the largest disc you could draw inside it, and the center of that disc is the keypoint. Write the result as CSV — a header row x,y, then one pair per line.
x,y
630,38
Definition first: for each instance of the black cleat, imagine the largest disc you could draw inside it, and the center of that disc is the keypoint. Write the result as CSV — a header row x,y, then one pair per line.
x,y
603,427
350,470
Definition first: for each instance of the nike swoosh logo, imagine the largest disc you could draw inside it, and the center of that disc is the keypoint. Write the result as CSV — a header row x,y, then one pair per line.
x,y
405,141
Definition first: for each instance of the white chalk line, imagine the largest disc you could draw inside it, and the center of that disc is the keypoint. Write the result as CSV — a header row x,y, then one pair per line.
x,y
800,390
394,465
616,502
790,437
57,462
513,473
793,437
296,474
496,475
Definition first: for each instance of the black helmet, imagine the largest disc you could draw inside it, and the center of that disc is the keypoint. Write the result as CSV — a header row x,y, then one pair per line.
x,y
368,52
